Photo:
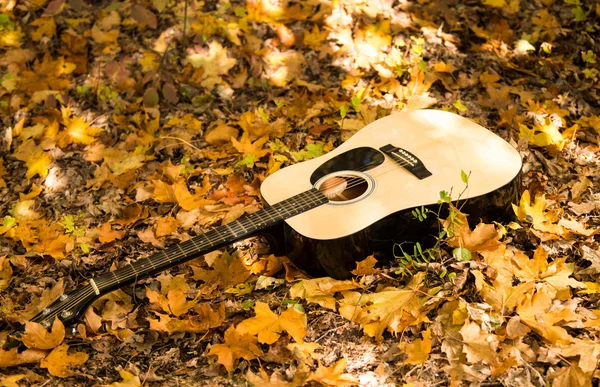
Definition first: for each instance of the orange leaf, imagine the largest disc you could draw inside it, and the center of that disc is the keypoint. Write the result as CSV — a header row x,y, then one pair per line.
x,y
36,336
236,346
59,361
107,234
366,266
333,375
268,326
13,357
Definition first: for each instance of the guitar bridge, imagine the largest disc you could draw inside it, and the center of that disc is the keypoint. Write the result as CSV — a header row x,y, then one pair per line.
x,y
406,160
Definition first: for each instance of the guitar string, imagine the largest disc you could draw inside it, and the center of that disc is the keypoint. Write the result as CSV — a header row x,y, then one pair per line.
x,y
90,291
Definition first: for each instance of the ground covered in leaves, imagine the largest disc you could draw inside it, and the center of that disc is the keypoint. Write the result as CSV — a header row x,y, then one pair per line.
x,y
130,126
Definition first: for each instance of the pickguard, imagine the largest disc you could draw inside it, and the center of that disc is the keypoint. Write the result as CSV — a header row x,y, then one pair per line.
x,y
358,159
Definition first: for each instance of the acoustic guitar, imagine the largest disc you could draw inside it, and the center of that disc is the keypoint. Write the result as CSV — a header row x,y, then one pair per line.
x,y
354,201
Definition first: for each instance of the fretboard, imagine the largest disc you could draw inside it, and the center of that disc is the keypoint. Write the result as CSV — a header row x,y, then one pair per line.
x,y
210,240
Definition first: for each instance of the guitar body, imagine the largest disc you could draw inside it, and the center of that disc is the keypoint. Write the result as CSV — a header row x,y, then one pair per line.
x,y
376,178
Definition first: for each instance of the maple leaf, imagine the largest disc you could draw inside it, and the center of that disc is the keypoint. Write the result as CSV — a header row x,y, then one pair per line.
x,y
543,135
226,271
417,351
393,309
333,375
483,237
536,214
366,267
129,380
5,273
174,303
478,345
37,164
321,290
59,361
587,350
569,377
36,335
205,320
502,296
2,173
536,313
247,147
236,346
106,234
268,326
214,63
190,202
221,134
13,357
11,381
76,130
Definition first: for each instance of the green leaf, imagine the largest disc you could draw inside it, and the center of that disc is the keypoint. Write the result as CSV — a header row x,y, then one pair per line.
x,y
68,223
445,197
240,11
247,161
85,247
247,304
579,14
4,18
310,152
113,7
355,101
263,114
589,56
343,111
9,221
461,254
464,177
423,66
459,106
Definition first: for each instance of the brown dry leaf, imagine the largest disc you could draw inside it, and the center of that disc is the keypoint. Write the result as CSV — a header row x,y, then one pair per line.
x,y
59,361
36,336
166,226
333,375
392,308
479,345
321,290
366,267
236,345
483,237
571,376
2,173
221,134
268,326
417,351
129,380
587,350
13,357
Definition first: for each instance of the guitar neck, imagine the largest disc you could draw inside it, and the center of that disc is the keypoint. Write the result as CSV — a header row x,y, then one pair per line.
x,y
206,242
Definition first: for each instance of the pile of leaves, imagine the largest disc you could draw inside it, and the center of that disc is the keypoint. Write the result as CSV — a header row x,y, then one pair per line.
x,y
130,126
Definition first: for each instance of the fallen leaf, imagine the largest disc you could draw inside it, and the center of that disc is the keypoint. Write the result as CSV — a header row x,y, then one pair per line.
x,y
13,357
129,380
333,375
59,361
483,237
268,326
11,381
418,351
236,346
321,290
366,267
479,346
36,335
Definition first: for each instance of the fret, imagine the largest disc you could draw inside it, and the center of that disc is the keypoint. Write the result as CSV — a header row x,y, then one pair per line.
x,y
115,275
127,271
268,214
183,252
216,231
231,230
194,243
239,223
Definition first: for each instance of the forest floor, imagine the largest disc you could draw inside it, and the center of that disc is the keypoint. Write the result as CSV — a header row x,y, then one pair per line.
x,y
131,126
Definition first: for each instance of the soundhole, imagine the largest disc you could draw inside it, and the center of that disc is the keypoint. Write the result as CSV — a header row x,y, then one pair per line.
x,y
345,187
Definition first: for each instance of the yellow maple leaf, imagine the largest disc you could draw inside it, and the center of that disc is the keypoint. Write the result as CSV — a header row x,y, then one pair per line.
x,y
37,164
46,27
214,63
544,135
483,237
479,346
417,351
2,173
36,335
587,350
502,295
247,147
268,326
392,308
321,290
206,319
174,303
11,381
13,357
366,266
190,202
59,361
227,271
333,375
536,214
129,380
76,130
236,345
5,273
